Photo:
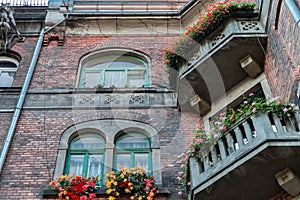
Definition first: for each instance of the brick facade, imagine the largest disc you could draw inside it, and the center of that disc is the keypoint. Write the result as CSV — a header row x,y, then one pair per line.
x,y
283,58
31,159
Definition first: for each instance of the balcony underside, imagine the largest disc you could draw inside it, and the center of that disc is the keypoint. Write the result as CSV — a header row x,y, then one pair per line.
x,y
254,179
214,65
242,164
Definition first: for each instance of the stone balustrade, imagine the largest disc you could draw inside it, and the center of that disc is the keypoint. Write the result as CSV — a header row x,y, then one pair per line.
x,y
239,144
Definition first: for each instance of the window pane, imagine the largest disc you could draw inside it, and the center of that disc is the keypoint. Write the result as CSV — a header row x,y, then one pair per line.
x,y
116,78
142,160
6,79
76,164
133,142
136,78
88,143
123,160
91,79
94,165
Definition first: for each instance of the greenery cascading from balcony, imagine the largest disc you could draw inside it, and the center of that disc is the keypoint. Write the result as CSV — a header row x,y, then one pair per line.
x,y
216,14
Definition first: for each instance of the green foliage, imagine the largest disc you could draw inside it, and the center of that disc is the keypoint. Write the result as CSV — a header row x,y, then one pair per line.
x,y
216,13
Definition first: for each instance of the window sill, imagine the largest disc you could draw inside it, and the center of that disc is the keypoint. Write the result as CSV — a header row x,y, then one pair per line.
x,y
100,193
10,89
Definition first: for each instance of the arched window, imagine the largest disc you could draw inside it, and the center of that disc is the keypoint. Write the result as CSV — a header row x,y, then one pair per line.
x,y
111,69
8,68
86,156
133,149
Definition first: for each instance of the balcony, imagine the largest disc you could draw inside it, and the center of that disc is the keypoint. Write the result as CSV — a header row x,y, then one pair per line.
x,y
233,52
243,163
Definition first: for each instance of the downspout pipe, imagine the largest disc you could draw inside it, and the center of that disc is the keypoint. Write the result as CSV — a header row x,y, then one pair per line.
x,y
21,100
294,10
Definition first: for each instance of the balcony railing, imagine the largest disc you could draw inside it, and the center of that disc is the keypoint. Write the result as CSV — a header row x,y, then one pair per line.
x,y
247,138
24,2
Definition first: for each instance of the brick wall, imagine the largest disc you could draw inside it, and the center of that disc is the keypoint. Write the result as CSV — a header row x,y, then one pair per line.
x,y
4,125
31,159
58,65
283,58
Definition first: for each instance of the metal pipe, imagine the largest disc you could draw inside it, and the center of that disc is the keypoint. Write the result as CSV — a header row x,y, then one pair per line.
x,y
294,10
21,100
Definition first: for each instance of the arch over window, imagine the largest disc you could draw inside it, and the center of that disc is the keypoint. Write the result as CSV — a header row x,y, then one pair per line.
x,y
133,149
114,68
8,68
86,156
112,136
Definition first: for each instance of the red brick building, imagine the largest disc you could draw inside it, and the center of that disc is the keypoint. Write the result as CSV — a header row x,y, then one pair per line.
x,y
92,74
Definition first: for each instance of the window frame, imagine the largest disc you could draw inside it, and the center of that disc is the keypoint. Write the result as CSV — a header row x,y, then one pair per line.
x,y
85,67
87,153
9,69
133,151
109,134
245,87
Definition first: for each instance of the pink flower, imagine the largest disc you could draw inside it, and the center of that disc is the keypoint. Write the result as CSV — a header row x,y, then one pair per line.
x,y
193,151
200,140
285,110
254,110
180,173
83,198
245,102
218,123
224,128
180,193
92,195
231,118
188,183
85,187
251,94
179,178
191,144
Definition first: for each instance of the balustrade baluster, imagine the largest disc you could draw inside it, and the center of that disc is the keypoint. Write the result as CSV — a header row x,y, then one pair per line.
x,y
239,137
248,131
222,149
214,155
289,125
206,162
262,125
277,123
230,143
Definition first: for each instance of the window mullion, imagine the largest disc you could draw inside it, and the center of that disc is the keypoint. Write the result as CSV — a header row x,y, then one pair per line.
x,y
85,164
132,159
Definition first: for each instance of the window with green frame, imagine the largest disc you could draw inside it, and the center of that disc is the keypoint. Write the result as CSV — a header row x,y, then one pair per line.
x,y
133,150
86,156
114,71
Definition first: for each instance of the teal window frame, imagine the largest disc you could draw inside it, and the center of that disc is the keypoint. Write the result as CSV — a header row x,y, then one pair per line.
x,y
87,153
133,151
101,80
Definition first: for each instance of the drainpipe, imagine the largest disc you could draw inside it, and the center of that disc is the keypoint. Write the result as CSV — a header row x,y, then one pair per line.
x,y
294,10
21,100
24,90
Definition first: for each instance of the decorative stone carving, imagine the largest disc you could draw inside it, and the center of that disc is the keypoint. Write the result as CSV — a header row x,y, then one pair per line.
x,y
59,37
249,26
86,99
214,40
136,99
112,99
7,22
